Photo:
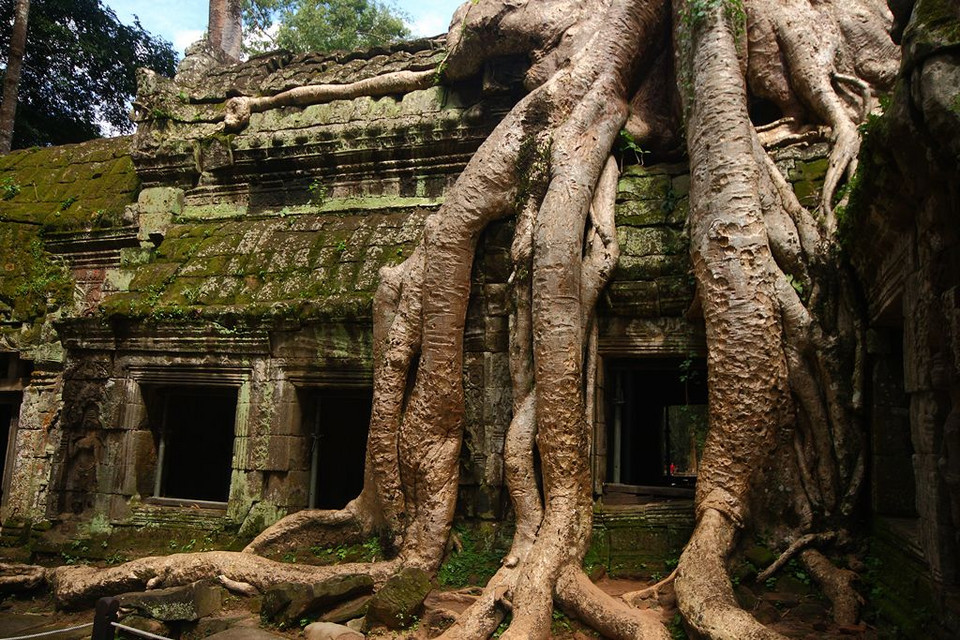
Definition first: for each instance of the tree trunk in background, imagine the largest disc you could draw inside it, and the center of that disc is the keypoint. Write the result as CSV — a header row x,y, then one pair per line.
x,y
224,30
11,78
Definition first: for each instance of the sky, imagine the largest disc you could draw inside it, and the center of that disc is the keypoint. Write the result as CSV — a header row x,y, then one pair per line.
x,y
183,22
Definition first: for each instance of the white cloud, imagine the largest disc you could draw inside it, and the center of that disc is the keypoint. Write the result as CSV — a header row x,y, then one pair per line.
x,y
183,39
429,24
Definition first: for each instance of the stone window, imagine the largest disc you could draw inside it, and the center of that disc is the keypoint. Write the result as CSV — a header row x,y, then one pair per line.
x,y
193,429
336,420
655,421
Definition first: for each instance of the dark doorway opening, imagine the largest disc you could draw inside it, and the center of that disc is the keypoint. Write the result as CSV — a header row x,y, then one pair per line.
x,y
194,432
338,421
656,421
8,412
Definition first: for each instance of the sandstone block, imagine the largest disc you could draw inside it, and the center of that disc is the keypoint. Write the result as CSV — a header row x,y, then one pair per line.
x,y
400,600
330,631
187,603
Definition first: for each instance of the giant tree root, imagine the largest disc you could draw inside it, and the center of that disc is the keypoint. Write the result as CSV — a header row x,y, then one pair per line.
x,y
795,547
78,586
238,110
703,588
775,313
837,585
310,527
20,577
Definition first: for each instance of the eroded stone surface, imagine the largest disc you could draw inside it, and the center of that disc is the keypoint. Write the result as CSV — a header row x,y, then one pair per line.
x,y
398,603
175,604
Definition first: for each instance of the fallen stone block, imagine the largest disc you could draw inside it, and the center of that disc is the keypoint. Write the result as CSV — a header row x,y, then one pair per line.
x,y
176,604
330,631
288,603
399,601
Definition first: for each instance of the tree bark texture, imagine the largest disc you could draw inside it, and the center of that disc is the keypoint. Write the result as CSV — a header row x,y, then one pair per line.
x,y
783,335
11,76
224,26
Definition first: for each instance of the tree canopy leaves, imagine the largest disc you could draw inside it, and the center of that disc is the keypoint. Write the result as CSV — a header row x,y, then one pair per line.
x,y
324,25
79,70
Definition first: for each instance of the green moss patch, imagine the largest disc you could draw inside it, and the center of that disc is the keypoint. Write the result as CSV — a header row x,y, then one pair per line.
x,y
281,266
77,186
935,25
30,278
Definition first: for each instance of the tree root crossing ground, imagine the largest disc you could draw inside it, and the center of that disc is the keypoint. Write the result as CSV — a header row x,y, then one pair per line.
x,y
784,341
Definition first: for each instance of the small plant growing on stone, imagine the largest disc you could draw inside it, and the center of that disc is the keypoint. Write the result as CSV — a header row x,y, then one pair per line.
x,y
9,188
318,192
626,142
341,246
67,202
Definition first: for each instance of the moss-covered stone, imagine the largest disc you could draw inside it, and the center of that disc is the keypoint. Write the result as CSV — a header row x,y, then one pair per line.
x,y
399,601
187,603
30,277
644,187
282,266
287,603
70,187
934,25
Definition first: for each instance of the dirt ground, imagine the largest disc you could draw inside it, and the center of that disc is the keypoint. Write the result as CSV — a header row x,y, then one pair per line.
x,y
801,616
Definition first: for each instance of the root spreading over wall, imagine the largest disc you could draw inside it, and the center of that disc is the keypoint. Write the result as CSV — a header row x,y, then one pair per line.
x,y
784,338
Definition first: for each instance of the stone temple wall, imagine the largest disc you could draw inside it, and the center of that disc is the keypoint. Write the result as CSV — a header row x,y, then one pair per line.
x,y
54,202
903,236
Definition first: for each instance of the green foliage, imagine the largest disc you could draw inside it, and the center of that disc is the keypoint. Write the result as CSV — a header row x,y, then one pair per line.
x,y
318,192
326,25
796,284
43,278
76,552
9,188
794,568
471,565
677,632
695,12
79,70
560,623
369,551
626,144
